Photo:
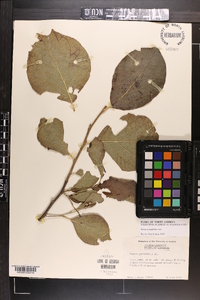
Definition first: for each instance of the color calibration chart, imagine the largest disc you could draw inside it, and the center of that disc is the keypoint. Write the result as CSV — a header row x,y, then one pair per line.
x,y
162,176
162,179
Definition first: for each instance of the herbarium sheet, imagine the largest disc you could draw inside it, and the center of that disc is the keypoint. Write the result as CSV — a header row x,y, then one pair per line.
x,y
83,94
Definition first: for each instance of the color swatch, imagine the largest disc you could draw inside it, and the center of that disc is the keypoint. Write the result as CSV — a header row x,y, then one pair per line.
x,y
162,174
162,169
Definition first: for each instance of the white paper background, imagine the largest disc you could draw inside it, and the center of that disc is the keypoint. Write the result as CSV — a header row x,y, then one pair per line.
x,y
37,174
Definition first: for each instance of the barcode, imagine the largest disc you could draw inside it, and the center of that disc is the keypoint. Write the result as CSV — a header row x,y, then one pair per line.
x,y
25,269
108,267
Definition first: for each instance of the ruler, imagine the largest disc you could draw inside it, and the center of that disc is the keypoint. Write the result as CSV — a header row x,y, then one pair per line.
x,y
4,155
125,14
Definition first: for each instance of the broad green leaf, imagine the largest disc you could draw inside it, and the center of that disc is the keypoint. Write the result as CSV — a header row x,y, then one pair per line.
x,y
138,78
51,134
120,189
122,147
87,196
86,182
58,64
90,228
97,152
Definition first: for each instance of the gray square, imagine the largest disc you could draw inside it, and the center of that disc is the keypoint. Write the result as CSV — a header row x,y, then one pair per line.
x,y
148,174
148,183
147,193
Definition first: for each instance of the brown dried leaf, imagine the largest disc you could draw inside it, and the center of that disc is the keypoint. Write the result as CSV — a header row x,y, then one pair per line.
x,y
120,189
51,134
122,147
138,78
58,64
90,228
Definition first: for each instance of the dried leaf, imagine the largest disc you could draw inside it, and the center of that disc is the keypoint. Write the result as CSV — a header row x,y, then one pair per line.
x,y
86,182
120,189
58,64
90,228
122,147
85,205
51,134
138,78
97,152
79,172
87,196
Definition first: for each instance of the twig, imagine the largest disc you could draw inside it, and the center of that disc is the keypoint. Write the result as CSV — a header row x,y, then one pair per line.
x,y
43,215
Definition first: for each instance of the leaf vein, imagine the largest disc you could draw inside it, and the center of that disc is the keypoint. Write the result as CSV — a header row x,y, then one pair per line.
x,y
137,78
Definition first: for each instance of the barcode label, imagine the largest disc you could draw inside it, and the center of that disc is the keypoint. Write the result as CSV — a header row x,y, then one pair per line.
x,y
131,14
29,270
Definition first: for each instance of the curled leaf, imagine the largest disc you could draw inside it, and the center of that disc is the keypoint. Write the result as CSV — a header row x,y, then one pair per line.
x,y
120,189
86,182
122,147
96,152
90,228
51,134
138,78
58,64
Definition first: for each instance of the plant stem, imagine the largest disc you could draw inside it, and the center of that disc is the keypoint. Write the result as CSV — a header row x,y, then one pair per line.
x,y
43,215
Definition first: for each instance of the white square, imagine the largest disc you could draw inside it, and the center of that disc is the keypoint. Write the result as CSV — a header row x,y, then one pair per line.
x,y
148,164
148,155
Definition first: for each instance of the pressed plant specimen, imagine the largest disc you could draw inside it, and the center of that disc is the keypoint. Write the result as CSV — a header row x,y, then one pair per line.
x,y
59,64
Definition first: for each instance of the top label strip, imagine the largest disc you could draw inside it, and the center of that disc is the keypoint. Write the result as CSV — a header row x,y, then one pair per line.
x,y
125,14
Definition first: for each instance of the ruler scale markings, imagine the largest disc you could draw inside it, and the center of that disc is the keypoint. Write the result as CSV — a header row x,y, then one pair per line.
x,y
4,155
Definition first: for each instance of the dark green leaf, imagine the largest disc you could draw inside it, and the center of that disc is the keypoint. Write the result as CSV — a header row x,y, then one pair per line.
x,y
86,182
90,228
139,77
80,172
97,152
50,135
122,147
87,196
58,64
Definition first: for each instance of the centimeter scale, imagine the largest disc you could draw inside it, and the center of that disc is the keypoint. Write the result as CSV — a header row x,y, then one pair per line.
x,y
4,155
